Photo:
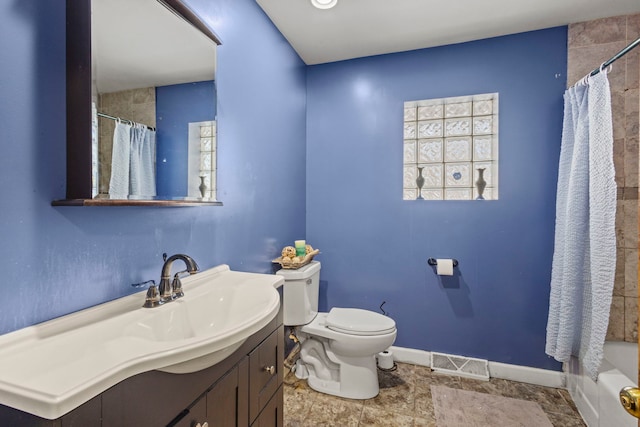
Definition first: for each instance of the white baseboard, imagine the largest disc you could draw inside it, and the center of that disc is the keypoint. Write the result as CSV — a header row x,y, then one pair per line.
x,y
527,374
411,355
524,374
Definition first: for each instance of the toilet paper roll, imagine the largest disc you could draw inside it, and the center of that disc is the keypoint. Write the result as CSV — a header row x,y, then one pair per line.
x,y
385,360
444,267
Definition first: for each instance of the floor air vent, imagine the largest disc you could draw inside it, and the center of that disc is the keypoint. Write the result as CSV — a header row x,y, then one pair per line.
x,y
460,365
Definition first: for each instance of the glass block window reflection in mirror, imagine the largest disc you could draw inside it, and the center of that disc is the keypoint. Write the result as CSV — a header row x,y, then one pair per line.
x,y
451,148
202,160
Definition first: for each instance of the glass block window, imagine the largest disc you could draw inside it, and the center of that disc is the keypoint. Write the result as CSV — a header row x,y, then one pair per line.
x,y
208,158
451,148
202,160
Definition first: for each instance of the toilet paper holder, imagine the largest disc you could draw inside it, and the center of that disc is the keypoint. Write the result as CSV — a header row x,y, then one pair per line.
x,y
433,261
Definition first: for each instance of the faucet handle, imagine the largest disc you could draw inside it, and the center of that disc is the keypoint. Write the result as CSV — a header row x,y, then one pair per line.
x,y
141,284
176,285
153,296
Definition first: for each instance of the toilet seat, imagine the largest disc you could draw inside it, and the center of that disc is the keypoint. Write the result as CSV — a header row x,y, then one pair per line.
x,y
355,321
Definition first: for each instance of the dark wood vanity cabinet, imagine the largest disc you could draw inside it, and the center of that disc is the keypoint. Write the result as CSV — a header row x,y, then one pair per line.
x,y
222,405
250,394
245,389
271,415
85,415
265,373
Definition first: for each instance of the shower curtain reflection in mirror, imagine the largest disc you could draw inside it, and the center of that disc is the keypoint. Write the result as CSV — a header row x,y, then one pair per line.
x,y
133,162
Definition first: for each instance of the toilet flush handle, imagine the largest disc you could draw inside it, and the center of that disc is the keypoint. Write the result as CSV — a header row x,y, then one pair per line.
x,y
309,281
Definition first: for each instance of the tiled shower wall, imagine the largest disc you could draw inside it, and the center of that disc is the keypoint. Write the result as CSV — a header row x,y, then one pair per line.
x,y
138,105
590,44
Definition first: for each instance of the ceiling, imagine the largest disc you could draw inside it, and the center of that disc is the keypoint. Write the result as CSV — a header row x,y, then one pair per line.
x,y
358,28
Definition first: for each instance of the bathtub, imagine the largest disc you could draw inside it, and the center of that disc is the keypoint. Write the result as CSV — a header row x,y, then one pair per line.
x,y
598,402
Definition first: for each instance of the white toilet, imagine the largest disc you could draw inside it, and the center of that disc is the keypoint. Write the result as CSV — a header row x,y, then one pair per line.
x,y
338,348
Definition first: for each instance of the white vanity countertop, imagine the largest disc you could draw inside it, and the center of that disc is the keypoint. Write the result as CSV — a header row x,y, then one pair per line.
x,y
52,368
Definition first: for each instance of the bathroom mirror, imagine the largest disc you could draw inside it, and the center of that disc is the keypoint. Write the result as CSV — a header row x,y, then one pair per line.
x,y
140,70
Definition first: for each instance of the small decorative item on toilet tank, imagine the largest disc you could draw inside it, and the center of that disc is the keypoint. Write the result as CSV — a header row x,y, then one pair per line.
x,y
290,259
300,248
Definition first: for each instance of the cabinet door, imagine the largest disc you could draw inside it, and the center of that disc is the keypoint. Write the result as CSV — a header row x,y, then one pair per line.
x,y
197,414
265,371
226,401
271,415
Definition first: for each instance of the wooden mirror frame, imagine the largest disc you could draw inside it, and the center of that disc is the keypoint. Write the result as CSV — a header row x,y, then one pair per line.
x,y
79,127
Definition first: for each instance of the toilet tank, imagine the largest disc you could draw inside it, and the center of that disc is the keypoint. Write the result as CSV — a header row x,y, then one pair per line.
x,y
300,296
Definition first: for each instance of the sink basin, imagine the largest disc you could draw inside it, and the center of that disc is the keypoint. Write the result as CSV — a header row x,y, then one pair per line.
x,y
51,368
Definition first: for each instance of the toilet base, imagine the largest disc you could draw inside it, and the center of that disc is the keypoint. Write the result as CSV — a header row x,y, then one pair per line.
x,y
357,378
362,384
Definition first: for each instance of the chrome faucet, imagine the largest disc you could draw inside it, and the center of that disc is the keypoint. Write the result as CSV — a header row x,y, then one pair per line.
x,y
172,290
169,290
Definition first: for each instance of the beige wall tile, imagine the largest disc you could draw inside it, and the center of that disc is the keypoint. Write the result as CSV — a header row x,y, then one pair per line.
x,y
105,131
582,60
615,331
632,108
618,74
631,319
619,282
631,162
631,272
144,113
598,31
144,95
633,27
630,224
633,57
591,43
633,68
618,161
118,98
620,224
618,114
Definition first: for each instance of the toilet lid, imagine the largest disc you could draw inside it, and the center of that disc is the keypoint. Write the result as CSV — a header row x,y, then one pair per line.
x,y
355,321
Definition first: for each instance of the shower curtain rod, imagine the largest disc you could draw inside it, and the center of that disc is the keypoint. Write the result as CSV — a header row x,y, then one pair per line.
x,y
106,116
615,57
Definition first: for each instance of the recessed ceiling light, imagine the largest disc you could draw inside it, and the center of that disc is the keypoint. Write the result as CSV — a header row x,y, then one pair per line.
x,y
324,4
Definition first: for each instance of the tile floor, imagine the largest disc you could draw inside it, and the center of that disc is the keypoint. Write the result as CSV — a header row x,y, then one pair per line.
x,y
405,400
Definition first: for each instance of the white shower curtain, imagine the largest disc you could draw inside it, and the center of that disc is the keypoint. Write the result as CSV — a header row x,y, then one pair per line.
x,y
133,162
120,161
583,269
142,183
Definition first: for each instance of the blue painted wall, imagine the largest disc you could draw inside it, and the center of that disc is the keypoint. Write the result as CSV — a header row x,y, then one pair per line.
x,y
176,107
375,245
343,188
58,260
